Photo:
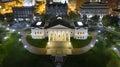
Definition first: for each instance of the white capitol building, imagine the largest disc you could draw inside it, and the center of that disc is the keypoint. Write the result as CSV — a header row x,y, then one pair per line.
x,y
59,30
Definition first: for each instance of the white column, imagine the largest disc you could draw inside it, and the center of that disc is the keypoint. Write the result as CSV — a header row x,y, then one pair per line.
x,y
65,36
90,0
53,35
49,36
69,36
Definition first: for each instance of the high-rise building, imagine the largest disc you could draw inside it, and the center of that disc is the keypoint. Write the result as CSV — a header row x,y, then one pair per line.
x,y
93,0
72,5
28,2
118,4
57,1
5,0
56,7
94,7
25,12
111,3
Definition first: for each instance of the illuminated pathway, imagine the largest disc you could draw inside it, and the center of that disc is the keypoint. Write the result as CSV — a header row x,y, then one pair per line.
x,y
59,48
31,48
37,50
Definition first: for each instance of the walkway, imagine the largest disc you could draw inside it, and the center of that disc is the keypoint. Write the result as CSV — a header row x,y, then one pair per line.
x,y
59,48
31,48
114,32
37,50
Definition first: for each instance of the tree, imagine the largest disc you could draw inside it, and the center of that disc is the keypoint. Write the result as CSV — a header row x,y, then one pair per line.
x,y
106,20
110,20
114,21
94,20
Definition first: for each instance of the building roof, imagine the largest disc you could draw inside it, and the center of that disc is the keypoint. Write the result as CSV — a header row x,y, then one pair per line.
x,y
117,10
94,5
59,22
80,25
94,8
38,24
56,4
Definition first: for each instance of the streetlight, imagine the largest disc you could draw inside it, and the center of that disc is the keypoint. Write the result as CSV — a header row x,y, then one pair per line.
x,y
18,32
114,48
7,28
13,30
99,31
20,39
91,45
0,7
25,46
96,40
5,38
27,25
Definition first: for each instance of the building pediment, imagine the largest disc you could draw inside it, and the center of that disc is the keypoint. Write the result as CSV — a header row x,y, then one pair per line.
x,y
59,27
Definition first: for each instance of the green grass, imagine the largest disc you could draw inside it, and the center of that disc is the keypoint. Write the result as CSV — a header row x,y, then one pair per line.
x,y
18,56
80,43
15,55
117,29
37,42
99,56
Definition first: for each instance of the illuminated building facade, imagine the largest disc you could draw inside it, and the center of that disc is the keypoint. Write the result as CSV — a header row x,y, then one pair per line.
x,y
94,7
25,12
72,5
28,2
5,0
118,4
59,30
57,1
56,8
111,3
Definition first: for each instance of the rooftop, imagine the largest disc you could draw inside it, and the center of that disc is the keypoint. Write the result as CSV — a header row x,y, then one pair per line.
x,y
59,22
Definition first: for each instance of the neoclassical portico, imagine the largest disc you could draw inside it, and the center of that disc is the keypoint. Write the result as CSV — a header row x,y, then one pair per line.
x,y
59,30
57,35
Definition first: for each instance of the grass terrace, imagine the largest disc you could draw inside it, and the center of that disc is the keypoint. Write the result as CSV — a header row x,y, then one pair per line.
x,y
99,56
80,43
13,54
41,43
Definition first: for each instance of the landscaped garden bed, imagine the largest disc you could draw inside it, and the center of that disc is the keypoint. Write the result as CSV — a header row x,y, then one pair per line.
x,y
41,43
80,43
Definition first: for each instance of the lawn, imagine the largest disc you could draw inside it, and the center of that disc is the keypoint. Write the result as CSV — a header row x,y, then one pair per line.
x,y
17,56
117,29
13,54
80,43
99,56
37,42
2,34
